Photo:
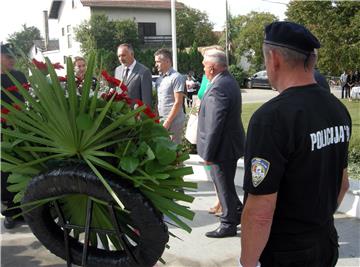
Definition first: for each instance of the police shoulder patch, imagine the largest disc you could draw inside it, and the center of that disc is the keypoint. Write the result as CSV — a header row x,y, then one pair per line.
x,y
259,170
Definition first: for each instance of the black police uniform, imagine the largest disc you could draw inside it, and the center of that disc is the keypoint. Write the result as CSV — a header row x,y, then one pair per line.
x,y
297,146
6,82
6,196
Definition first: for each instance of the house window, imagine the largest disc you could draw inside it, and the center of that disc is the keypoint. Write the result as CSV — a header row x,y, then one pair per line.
x,y
147,29
69,37
63,31
69,41
73,4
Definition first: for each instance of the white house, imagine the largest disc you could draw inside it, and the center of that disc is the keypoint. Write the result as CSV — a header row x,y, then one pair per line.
x,y
153,18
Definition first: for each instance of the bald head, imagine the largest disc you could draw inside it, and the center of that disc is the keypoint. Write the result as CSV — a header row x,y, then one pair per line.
x,y
125,53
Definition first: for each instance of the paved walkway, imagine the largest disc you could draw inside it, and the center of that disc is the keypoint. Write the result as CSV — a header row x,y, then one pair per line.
x,y
263,95
20,248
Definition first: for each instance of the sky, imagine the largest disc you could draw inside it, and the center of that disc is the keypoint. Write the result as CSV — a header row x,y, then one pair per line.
x,y
14,13
216,8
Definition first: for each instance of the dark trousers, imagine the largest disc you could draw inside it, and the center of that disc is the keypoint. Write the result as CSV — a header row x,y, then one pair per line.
x,y
7,197
189,98
223,175
345,91
316,249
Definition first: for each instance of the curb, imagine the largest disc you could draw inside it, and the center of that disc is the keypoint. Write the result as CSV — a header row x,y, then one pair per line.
x,y
349,206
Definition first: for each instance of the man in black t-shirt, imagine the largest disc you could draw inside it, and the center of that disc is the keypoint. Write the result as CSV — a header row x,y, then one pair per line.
x,y
295,160
7,65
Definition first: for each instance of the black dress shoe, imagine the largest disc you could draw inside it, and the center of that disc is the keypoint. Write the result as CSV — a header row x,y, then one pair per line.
x,y
9,223
222,231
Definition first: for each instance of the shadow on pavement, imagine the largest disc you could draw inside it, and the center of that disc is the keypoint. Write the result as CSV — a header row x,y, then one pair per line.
x,y
14,256
349,236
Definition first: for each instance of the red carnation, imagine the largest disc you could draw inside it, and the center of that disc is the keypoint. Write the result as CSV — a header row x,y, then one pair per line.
x,y
26,86
57,66
40,65
15,89
4,111
114,81
12,88
139,102
149,113
16,106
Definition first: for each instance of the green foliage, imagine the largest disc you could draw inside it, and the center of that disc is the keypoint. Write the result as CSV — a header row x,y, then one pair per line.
x,y
247,35
196,59
192,25
103,36
183,62
146,57
354,147
24,39
333,24
238,74
354,162
106,135
108,59
190,61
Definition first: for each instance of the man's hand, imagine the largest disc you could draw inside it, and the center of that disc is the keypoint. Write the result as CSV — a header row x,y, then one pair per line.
x,y
167,125
208,162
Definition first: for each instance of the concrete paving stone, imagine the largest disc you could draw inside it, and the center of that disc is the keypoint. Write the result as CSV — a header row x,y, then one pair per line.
x,y
19,248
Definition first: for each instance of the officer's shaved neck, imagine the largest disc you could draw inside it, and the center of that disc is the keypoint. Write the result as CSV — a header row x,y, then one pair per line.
x,y
282,76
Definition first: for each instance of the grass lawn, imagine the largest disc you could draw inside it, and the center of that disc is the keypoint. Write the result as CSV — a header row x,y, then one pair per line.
x,y
354,110
354,149
353,107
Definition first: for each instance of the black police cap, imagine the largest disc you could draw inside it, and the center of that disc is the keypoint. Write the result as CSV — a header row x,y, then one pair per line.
x,y
6,49
291,35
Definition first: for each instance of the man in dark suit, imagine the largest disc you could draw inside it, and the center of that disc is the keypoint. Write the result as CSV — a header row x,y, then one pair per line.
x,y
221,137
136,76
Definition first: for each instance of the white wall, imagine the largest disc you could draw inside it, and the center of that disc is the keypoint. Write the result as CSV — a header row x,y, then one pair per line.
x,y
73,17
162,17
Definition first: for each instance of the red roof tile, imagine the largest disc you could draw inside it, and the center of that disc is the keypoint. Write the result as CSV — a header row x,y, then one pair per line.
x,y
149,4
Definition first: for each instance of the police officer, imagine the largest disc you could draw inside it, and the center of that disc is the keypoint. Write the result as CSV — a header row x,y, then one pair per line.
x,y
7,66
295,160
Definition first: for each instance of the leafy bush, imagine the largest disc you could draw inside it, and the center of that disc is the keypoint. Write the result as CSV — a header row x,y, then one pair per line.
x,y
238,74
354,162
102,35
146,57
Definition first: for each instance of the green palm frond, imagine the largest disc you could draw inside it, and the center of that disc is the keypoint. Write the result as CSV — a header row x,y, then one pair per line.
x,y
57,123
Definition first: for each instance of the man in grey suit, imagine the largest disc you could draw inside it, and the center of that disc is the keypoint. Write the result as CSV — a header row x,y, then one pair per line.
x,y
135,76
221,138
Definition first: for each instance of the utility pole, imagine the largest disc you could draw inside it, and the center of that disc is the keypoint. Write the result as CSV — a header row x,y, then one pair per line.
x,y
173,34
227,32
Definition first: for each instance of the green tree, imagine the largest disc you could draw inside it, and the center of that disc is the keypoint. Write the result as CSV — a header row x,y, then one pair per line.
x,y
24,39
247,35
146,57
192,25
334,24
102,35
190,60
